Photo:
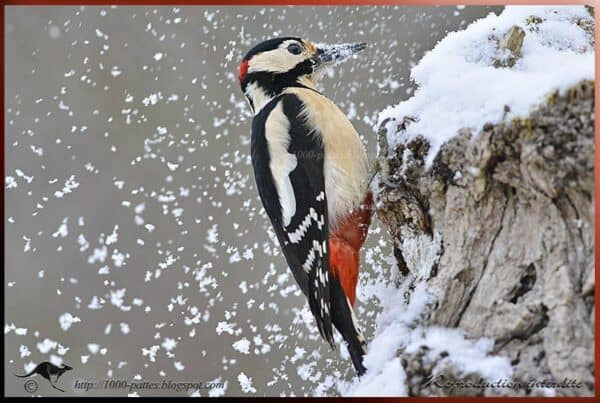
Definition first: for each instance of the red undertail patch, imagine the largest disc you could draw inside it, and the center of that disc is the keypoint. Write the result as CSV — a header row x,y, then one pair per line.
x,y
345,243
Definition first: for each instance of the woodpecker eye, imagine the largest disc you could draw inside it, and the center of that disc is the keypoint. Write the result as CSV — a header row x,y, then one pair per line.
x,y
294,49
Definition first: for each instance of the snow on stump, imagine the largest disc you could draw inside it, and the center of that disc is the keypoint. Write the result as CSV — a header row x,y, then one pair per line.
x,y
485,182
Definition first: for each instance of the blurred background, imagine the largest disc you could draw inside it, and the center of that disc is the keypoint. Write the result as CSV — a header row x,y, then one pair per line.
x,y
136,247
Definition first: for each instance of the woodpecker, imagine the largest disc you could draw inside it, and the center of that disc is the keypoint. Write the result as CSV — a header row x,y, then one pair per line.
x,y
311,173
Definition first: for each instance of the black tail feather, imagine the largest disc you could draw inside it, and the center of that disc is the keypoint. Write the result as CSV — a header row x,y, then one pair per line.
x,y
343,319
319,303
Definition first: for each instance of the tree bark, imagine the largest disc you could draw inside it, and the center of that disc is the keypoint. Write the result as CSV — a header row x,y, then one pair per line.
x,y
500,228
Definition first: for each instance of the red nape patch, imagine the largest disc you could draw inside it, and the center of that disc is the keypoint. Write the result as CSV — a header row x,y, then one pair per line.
x,y
243,70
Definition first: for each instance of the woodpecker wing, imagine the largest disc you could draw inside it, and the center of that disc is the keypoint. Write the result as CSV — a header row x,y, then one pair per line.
x,y
288,162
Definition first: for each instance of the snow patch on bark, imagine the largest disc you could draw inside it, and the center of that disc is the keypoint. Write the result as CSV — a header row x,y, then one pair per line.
x,y
467,81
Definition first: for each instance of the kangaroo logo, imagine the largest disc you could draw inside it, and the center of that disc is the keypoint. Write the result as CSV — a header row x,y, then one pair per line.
x,y
46,369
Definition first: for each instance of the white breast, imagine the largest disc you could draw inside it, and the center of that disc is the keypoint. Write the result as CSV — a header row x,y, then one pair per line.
x,y
346,165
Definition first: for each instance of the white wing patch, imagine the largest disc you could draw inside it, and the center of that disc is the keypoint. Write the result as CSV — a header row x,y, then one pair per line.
x,y
282,163
286,194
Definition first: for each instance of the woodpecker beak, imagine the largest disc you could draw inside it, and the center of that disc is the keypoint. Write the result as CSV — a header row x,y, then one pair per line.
x,y
329,55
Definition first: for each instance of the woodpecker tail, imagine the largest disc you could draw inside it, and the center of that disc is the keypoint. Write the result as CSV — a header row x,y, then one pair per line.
x,y
344,261
345,322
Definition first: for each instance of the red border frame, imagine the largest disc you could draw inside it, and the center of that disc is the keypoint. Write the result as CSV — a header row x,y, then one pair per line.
x,y
294,2
595,3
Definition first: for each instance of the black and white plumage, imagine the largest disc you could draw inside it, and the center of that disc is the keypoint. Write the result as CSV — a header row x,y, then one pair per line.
x,y
301,226
310,169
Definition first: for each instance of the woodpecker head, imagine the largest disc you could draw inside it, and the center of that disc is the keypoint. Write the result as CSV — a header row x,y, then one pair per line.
x,y
278,63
